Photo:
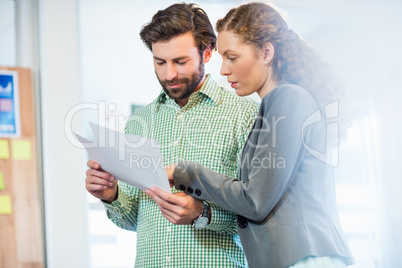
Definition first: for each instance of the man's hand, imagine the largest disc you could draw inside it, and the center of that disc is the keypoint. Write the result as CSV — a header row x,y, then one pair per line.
x,y
179,208
169,172
99,183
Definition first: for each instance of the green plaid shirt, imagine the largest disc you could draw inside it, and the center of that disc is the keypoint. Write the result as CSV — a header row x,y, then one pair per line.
x,y
211,130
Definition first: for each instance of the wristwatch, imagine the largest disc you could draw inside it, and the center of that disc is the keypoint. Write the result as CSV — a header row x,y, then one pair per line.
x,y
202,221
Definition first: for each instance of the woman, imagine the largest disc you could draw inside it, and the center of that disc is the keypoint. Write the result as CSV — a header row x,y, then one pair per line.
x,y
285,193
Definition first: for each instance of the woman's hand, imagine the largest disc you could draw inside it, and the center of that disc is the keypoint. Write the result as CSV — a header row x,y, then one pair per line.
x,y
170,171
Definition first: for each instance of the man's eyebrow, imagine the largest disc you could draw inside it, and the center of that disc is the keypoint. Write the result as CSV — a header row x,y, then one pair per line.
x,y
175,59
181,58
156,58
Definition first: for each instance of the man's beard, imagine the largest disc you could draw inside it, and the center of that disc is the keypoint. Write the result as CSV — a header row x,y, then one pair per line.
x,y
188,86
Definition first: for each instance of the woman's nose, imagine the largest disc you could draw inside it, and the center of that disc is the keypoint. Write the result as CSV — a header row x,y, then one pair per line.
x,y
224,70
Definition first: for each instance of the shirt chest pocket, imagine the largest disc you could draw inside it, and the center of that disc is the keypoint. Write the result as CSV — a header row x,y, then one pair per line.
x,y
216,146
205,138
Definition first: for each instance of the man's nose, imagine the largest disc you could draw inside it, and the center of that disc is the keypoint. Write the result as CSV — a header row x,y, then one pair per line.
x,y
171,72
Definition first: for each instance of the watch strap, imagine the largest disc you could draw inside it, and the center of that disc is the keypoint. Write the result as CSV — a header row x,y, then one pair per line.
x,y
203,217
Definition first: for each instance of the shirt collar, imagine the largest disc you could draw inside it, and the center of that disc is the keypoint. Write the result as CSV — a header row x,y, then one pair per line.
x,y
209,88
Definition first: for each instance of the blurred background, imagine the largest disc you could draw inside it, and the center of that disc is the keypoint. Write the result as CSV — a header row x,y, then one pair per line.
x,y
89,64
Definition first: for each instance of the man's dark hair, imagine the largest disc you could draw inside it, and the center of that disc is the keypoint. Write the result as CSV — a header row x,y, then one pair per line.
x,y
179,19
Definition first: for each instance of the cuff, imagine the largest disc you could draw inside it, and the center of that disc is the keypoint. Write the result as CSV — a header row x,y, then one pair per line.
x,y
120,205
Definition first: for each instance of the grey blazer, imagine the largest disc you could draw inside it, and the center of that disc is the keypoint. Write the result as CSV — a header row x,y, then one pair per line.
x,y
285,193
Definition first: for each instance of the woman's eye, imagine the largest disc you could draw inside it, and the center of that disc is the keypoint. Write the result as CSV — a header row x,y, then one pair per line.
x,y
160,62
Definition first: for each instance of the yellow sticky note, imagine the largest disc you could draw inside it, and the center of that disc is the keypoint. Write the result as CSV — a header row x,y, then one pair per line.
x,y
5,204
22,149
4,151
1,181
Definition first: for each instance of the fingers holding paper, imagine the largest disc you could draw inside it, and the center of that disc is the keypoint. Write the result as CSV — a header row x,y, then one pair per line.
x,y
99,183
178,208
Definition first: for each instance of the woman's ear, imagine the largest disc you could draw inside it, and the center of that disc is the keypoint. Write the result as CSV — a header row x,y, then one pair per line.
x,y
268,51
207,54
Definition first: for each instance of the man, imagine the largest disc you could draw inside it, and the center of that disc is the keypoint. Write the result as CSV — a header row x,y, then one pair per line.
x,y
193,119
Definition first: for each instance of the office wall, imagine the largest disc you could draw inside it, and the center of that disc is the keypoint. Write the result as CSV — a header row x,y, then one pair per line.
x,y
8,48
63,164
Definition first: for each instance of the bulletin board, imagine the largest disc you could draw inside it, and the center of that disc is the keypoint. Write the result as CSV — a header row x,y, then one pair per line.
x,y
21,222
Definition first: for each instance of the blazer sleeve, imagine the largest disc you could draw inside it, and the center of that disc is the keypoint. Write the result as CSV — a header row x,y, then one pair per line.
x,y
223,220
277,137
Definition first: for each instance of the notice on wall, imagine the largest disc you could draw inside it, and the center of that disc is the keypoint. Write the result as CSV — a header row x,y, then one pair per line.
x,y
1,181
5,204
21,149
4,151
10,125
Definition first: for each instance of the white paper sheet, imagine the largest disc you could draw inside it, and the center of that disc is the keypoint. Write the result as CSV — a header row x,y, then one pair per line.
x,y
129,158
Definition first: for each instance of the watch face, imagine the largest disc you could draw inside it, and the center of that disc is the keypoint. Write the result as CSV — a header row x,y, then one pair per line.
x,y
201,223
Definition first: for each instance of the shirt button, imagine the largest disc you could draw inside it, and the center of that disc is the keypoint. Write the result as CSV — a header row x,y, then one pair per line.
x,y
168,229
175,143
242,222
167,259
179,116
